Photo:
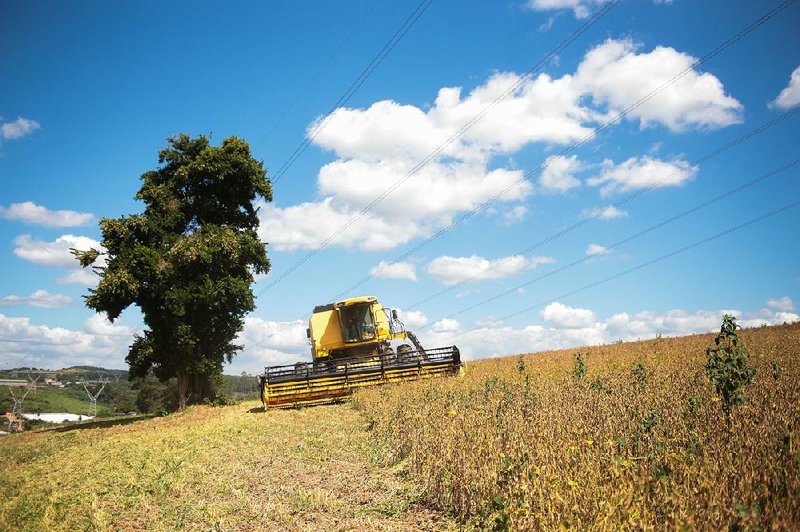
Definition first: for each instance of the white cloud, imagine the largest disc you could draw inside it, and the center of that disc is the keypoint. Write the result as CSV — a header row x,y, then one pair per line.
x,y
446,325
412,319
597,249
270,343
604,213
30,213
39,299
19,128
394,270
84,276
642,172
453,270
579,330
378,149
515,214
540,109
581,8
308,225
559,173
615,75
382,144
790,95
54,254
490,321
565,317
784,304
23,343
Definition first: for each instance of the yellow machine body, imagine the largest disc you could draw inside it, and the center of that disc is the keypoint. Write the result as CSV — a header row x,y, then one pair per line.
x,y
331,334
352,347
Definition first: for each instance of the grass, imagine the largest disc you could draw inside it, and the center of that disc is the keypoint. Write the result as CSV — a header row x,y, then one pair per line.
x,y
637,440
208,468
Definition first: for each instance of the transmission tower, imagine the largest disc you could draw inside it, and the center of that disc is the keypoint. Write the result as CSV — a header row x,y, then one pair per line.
x,y
17,409
93,396
32,382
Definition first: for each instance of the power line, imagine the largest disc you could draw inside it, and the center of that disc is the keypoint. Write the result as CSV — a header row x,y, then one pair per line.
x,y
697,162
541,64
302,93
643,265
632,237
630,197
466,216
354,86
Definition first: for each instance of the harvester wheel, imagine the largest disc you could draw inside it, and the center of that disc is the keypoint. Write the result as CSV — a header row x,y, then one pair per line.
x,y
388,354
405,353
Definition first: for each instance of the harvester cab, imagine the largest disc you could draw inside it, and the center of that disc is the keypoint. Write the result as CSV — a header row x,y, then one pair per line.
x,y
354,343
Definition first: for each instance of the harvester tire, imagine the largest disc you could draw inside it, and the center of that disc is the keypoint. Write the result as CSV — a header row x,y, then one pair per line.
x,y
405,353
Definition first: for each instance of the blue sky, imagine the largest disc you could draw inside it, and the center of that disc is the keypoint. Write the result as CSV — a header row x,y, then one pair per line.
x,y
91,90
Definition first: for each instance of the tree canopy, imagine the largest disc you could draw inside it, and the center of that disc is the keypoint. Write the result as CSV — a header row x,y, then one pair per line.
x,y
187,261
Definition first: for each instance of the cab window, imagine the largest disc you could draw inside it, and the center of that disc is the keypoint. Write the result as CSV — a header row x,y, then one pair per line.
x,y
357,324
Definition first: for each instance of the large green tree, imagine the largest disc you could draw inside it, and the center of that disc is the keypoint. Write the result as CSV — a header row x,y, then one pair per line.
x,y
187,261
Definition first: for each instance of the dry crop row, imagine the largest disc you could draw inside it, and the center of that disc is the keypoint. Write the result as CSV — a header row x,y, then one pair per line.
x,y
639,440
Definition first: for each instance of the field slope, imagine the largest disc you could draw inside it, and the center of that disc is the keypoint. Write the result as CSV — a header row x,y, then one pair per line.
x,y
635,439
208,468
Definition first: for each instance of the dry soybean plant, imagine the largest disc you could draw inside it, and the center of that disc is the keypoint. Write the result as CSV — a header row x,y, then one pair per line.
x,y
639,439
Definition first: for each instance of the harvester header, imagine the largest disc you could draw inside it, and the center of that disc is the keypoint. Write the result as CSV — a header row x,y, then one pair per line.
x,y
356,342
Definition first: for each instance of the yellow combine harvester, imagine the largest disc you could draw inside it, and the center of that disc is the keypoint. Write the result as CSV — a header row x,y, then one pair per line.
x,y
352,347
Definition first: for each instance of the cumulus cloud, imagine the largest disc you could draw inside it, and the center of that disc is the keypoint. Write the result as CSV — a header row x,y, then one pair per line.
x,y
21,127
394,270
540,109
581,8
30,213
379,148
615,75
54,254
790,95
270,343
559,173
39,299
784,304
597,249
382,144
453,270
23,343
412,319
566,317
604,213
579,328
515,214
642,172
84,276
446,325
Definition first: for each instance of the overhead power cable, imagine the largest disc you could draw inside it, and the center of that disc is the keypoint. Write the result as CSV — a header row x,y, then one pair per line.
x,y
353,88
288,109
697,162
641,266
434,154
666,221
469,214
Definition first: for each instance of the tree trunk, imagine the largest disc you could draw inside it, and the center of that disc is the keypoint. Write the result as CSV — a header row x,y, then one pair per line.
x,y
183,389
